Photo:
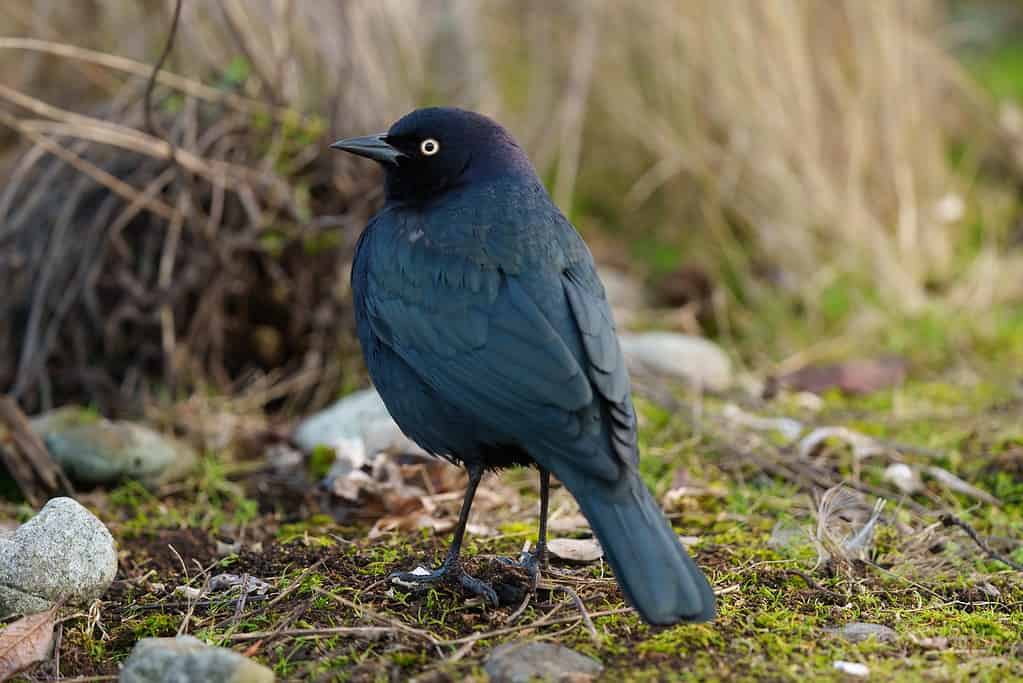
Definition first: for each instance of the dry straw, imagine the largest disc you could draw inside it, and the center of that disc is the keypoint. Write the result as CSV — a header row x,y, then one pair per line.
x,y
803,137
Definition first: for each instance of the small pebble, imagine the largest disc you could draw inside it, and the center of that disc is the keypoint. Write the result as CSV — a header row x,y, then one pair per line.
x,y
528,661
853,668
858,631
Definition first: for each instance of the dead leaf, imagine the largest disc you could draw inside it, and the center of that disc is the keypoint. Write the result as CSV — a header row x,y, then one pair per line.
x,y
575,549
863,376
26,642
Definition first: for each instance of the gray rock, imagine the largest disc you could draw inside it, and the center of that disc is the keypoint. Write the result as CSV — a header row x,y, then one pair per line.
x,y
93,450
678,356
358,427
63,553
575,549
185,659
858,631
523,662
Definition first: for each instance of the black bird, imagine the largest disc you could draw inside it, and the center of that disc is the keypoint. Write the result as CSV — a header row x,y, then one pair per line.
x,y
488,335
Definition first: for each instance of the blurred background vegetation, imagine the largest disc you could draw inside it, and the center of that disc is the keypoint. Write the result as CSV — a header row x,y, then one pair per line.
x,y
784,171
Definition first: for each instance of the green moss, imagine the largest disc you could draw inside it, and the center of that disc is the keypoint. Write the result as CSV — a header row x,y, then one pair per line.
x,y
682,640
314,531
1000,70
155,625
320,461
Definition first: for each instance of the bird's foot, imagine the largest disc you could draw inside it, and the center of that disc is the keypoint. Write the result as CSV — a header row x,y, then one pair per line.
x,y
530,562
420,579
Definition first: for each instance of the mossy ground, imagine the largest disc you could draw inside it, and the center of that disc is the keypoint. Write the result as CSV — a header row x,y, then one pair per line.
x,y
958,614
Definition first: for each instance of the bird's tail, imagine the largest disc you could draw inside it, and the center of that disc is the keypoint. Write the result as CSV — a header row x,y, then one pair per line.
x,y
654,571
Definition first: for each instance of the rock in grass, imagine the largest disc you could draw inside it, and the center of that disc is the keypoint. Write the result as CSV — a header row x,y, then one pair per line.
x,y
678,357
523,662
358,427
93,450
185,658
858,631
581,550
63,553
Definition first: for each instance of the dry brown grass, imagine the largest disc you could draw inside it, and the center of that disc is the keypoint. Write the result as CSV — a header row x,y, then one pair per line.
x,y
803,138
820,126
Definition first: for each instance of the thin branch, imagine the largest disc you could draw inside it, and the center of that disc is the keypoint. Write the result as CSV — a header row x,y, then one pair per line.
x,y
352,631
147,99
948,519
112,183
143,70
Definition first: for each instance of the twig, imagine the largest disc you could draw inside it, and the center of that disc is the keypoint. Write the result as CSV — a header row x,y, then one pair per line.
x,y
948,519
294,585
460,652
535,624
391,621
114,184
38,476
813,584
58,640
582,611
356,631
197,603
514,616
135,68
147,99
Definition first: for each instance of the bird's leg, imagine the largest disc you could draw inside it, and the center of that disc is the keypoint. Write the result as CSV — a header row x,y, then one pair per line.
x,y
534,561
451,563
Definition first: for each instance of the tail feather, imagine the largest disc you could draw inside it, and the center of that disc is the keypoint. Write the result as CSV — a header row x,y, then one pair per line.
x,y
654,571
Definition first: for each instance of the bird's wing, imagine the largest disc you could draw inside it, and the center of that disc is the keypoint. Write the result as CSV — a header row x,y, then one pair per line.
x,y
461,316
605,364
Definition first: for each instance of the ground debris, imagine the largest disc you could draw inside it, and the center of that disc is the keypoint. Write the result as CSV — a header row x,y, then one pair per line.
x,y
858,631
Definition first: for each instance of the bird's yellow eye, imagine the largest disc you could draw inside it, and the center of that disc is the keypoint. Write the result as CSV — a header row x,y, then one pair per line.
x,y
429,147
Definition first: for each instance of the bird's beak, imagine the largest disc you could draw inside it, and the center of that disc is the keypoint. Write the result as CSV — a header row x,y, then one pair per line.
x,y
373,147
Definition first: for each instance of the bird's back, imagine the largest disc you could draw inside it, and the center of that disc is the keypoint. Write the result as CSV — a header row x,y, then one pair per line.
x,y
433,284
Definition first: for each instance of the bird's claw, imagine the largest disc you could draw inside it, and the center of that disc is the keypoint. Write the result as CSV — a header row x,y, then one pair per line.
x,y
420,578
479,587
530,562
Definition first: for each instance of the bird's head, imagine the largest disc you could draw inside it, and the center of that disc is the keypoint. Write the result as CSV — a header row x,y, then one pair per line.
x,y
430,151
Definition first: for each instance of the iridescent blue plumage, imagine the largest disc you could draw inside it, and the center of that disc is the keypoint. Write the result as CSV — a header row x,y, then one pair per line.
x,y
488,335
